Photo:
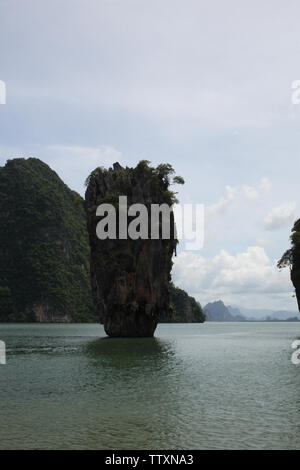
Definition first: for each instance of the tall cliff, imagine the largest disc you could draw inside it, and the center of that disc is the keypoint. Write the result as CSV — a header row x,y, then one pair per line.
x,y
184,308
44,250
217,311
292,258
130,278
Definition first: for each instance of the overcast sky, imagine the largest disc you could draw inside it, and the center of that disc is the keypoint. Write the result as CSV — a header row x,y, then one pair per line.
x,y
203,85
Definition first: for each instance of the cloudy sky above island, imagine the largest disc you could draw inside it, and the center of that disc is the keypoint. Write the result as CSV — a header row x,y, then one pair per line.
x,y
203,85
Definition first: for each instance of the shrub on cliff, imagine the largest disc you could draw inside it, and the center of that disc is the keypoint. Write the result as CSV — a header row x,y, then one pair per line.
x,y
291,258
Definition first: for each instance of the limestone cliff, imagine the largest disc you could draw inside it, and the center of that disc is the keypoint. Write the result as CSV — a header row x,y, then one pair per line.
x,y
44,251
292,258
217,311
184,308
130,278
295,271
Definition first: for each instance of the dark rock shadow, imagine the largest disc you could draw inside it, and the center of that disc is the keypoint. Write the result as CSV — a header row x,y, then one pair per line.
x,y
130,352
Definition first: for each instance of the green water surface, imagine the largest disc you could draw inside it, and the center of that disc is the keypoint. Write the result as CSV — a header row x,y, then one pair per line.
x,y
193,386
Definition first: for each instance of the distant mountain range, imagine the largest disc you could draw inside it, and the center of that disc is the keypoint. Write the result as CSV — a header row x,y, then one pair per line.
x,y
218,311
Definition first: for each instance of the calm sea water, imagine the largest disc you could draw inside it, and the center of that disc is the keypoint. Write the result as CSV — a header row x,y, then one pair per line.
x,y
201,386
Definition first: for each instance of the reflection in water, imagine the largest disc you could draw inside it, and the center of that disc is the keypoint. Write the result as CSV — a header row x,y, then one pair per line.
x,y
138,383
130,352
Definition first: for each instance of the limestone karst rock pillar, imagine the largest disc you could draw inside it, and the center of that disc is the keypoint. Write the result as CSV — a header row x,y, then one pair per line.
x,y
130,278
295,258
291,258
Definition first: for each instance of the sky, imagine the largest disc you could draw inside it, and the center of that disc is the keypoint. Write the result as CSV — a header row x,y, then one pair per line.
x,y
203,85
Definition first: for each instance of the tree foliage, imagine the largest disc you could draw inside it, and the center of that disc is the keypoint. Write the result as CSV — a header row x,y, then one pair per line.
x,y
44,250
183,308
291,257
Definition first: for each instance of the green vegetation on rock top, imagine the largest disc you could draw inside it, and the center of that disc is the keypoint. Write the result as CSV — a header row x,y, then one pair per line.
x,y
291,258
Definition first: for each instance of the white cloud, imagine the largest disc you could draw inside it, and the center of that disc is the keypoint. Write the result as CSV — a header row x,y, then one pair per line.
x,y
220,207
263,242
252,193
280,216
265,185
238,194
246,277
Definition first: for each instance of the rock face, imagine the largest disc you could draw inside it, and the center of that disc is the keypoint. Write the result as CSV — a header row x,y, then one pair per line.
x,y
184,308
295,254
217,311
295,271
44,250
130,278
291,258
